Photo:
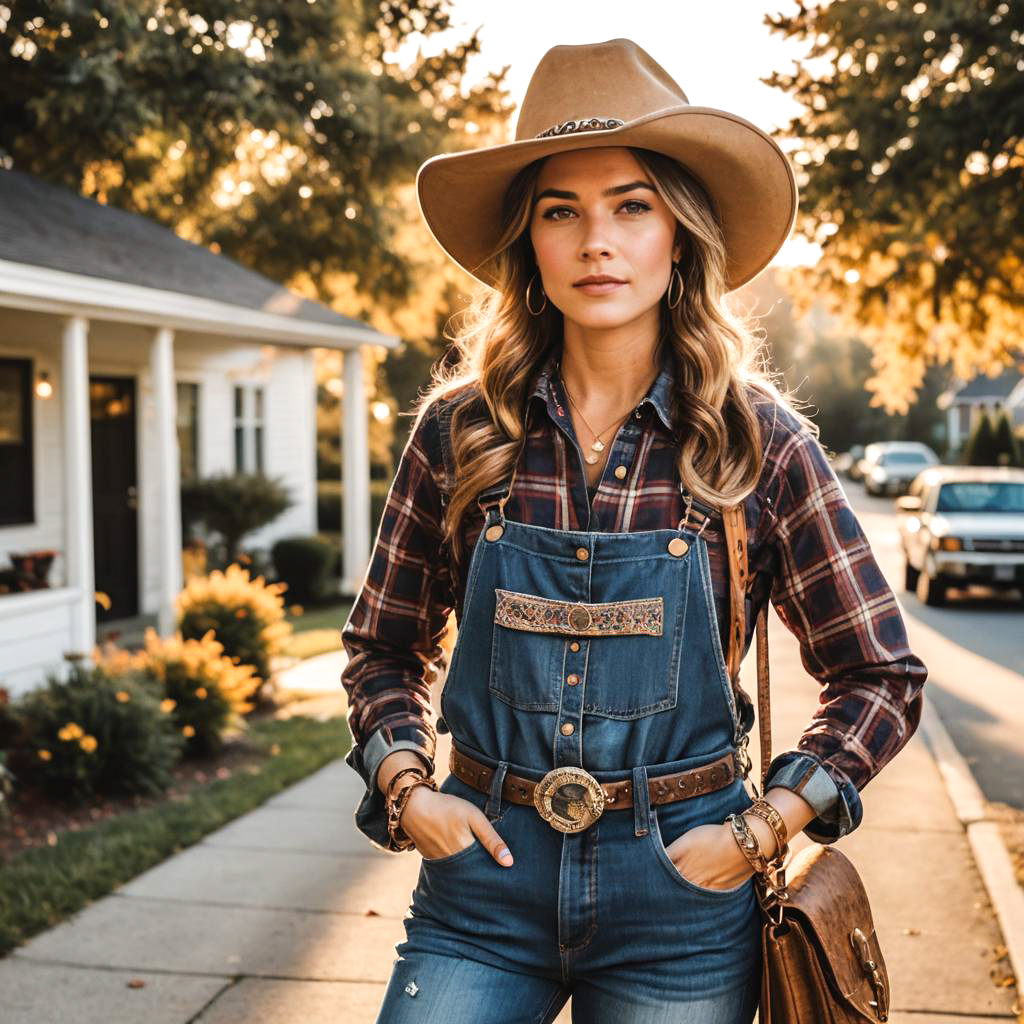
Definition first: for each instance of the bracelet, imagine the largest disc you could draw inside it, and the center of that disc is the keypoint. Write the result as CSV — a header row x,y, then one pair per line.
x,y
746,840
760,808
418,769
401,839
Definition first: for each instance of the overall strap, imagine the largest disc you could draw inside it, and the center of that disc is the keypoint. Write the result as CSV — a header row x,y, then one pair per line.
x,y
735,524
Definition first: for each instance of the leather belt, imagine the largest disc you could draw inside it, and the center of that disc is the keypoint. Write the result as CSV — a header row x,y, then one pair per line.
x,y
662,789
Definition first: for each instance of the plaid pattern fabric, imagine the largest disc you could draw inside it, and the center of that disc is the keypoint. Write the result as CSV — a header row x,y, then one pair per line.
x,y
807,554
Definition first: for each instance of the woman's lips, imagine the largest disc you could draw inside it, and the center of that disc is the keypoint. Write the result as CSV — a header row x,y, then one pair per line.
x,y
599,288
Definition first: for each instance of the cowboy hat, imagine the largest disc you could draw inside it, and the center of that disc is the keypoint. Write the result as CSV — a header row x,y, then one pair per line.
x,y
614,94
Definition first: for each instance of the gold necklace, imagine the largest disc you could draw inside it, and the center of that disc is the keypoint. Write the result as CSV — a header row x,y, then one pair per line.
x,y
597,445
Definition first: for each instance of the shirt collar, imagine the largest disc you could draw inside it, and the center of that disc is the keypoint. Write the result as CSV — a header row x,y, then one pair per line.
x,y
658,395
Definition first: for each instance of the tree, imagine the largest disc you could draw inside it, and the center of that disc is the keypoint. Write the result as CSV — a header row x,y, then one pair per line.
x,y
980,449
277,132
910,159
1004,443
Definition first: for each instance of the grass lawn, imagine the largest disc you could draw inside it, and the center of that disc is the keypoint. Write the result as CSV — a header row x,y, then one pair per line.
x,y
317,630
41,885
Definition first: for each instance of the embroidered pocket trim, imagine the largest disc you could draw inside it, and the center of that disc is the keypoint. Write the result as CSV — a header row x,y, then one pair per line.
x,y
641,616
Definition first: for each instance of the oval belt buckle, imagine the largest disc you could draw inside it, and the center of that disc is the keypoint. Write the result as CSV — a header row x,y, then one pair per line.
x,y
569,799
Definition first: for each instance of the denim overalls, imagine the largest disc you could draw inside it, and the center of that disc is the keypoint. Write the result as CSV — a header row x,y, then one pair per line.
x,y
602,913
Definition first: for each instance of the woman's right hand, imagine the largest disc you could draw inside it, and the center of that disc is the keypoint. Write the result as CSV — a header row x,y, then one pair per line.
x,y
441,824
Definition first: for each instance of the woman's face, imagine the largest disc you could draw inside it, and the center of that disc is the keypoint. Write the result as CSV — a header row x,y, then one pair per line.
x,y
597,213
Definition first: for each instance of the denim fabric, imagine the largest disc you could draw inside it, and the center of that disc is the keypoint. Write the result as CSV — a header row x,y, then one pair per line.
x,y
602,913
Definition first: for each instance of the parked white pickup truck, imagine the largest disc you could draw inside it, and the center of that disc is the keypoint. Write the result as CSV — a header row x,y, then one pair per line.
x,y
962,525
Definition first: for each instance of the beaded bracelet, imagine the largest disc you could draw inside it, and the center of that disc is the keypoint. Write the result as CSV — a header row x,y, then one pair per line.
x,y
762,809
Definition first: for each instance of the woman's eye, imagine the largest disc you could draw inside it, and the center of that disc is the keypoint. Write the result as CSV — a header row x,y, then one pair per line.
x,y
549,214
633,207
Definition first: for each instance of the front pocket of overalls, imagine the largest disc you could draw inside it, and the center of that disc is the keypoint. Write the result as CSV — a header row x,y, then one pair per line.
x,y
735,799
628,661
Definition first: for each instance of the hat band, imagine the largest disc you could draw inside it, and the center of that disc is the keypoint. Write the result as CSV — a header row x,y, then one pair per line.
x,y
582,124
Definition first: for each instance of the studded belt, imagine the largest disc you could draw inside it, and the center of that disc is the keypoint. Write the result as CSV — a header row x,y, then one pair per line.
x,y
570,799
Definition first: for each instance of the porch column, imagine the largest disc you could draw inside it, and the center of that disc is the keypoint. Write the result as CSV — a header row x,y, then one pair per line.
x,y
168,474
78,546
355,475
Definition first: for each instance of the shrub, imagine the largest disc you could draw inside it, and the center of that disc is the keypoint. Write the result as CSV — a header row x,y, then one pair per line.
x,y
233,505
94,733
205,692
304,564
246,616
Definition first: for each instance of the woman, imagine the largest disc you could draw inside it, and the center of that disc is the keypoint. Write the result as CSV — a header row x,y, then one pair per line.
x,y
563,489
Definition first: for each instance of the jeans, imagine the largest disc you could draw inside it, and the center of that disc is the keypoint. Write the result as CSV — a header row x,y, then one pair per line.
x,y
427,987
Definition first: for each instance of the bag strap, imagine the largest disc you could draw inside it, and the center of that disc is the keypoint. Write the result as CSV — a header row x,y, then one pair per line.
x,y
735,524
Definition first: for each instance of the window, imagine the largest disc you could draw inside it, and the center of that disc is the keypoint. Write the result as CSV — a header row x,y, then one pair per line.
x,y
249,432
188,430
17,497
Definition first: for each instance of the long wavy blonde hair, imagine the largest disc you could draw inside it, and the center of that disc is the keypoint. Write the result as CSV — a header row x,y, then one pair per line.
x,y
498,347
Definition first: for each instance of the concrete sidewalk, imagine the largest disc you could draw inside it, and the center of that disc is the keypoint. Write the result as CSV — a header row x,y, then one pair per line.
x,y
288,915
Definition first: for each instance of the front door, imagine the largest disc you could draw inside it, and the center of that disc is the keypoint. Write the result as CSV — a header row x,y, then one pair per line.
x,y
114,496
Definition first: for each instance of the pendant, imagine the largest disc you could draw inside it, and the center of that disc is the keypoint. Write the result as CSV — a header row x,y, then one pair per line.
x,y
598,446
590,459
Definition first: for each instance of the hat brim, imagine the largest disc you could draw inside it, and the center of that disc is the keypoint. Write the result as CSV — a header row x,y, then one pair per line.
x,y
747,175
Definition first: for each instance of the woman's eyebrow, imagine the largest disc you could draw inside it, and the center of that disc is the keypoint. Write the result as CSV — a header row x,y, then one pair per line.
x,y
615,190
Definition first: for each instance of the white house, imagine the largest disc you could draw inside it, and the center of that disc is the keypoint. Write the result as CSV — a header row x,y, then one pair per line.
x,y
129,357
965,402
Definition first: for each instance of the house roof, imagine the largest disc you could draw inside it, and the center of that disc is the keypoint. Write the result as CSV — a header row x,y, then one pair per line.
x,y
983,386
46,225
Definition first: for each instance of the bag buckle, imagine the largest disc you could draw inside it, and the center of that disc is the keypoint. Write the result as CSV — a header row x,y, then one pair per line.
x,y
569,799
870,969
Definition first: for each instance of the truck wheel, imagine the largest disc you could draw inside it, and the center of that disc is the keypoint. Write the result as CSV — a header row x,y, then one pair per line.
x,y
910,577
930,591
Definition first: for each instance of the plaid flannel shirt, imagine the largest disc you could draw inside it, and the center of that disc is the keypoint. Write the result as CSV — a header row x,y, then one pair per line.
x,y
807,554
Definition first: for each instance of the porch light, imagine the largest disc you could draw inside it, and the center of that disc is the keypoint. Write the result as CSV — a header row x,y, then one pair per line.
x,y
44,389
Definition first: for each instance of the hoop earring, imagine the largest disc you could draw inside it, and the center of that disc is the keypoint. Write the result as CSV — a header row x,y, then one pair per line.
x,y
529,309
676,276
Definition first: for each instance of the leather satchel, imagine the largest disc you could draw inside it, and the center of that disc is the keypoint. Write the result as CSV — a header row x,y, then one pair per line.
x,y
821,959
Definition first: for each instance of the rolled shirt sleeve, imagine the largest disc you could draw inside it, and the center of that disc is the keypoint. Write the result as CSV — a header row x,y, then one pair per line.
x,y
393,633
830,593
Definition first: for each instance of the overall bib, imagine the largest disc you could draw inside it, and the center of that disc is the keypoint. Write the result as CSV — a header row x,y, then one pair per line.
x,y
645,692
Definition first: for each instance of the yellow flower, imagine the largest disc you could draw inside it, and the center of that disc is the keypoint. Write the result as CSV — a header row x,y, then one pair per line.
x,y
71,731
45,755
103,600
88,743
167,704
201,692
189,731
123,696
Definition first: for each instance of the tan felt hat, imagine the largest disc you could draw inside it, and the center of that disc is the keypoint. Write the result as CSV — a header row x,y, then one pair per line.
x,y
614,94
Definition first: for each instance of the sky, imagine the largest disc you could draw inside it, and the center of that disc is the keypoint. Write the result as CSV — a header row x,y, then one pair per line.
x,y
717,51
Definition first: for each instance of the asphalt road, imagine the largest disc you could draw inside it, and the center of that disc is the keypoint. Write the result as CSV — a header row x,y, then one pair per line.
x,y
974,650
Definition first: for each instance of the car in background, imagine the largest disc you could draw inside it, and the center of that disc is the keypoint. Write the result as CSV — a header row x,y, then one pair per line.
x,y
888,467
962,525
846,462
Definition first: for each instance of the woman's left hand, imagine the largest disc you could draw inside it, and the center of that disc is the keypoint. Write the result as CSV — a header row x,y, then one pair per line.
x,y
708,856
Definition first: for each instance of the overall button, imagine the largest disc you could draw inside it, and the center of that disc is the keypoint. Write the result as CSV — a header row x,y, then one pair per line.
x,y
494,532
574,646
582,554
677,546
568,729
573,679
620,472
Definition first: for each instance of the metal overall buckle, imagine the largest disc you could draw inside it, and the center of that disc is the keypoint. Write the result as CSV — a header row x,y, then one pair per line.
x,y
569,799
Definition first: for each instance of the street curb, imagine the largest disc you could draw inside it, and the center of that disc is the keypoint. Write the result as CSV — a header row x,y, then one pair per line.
x,y
986,842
